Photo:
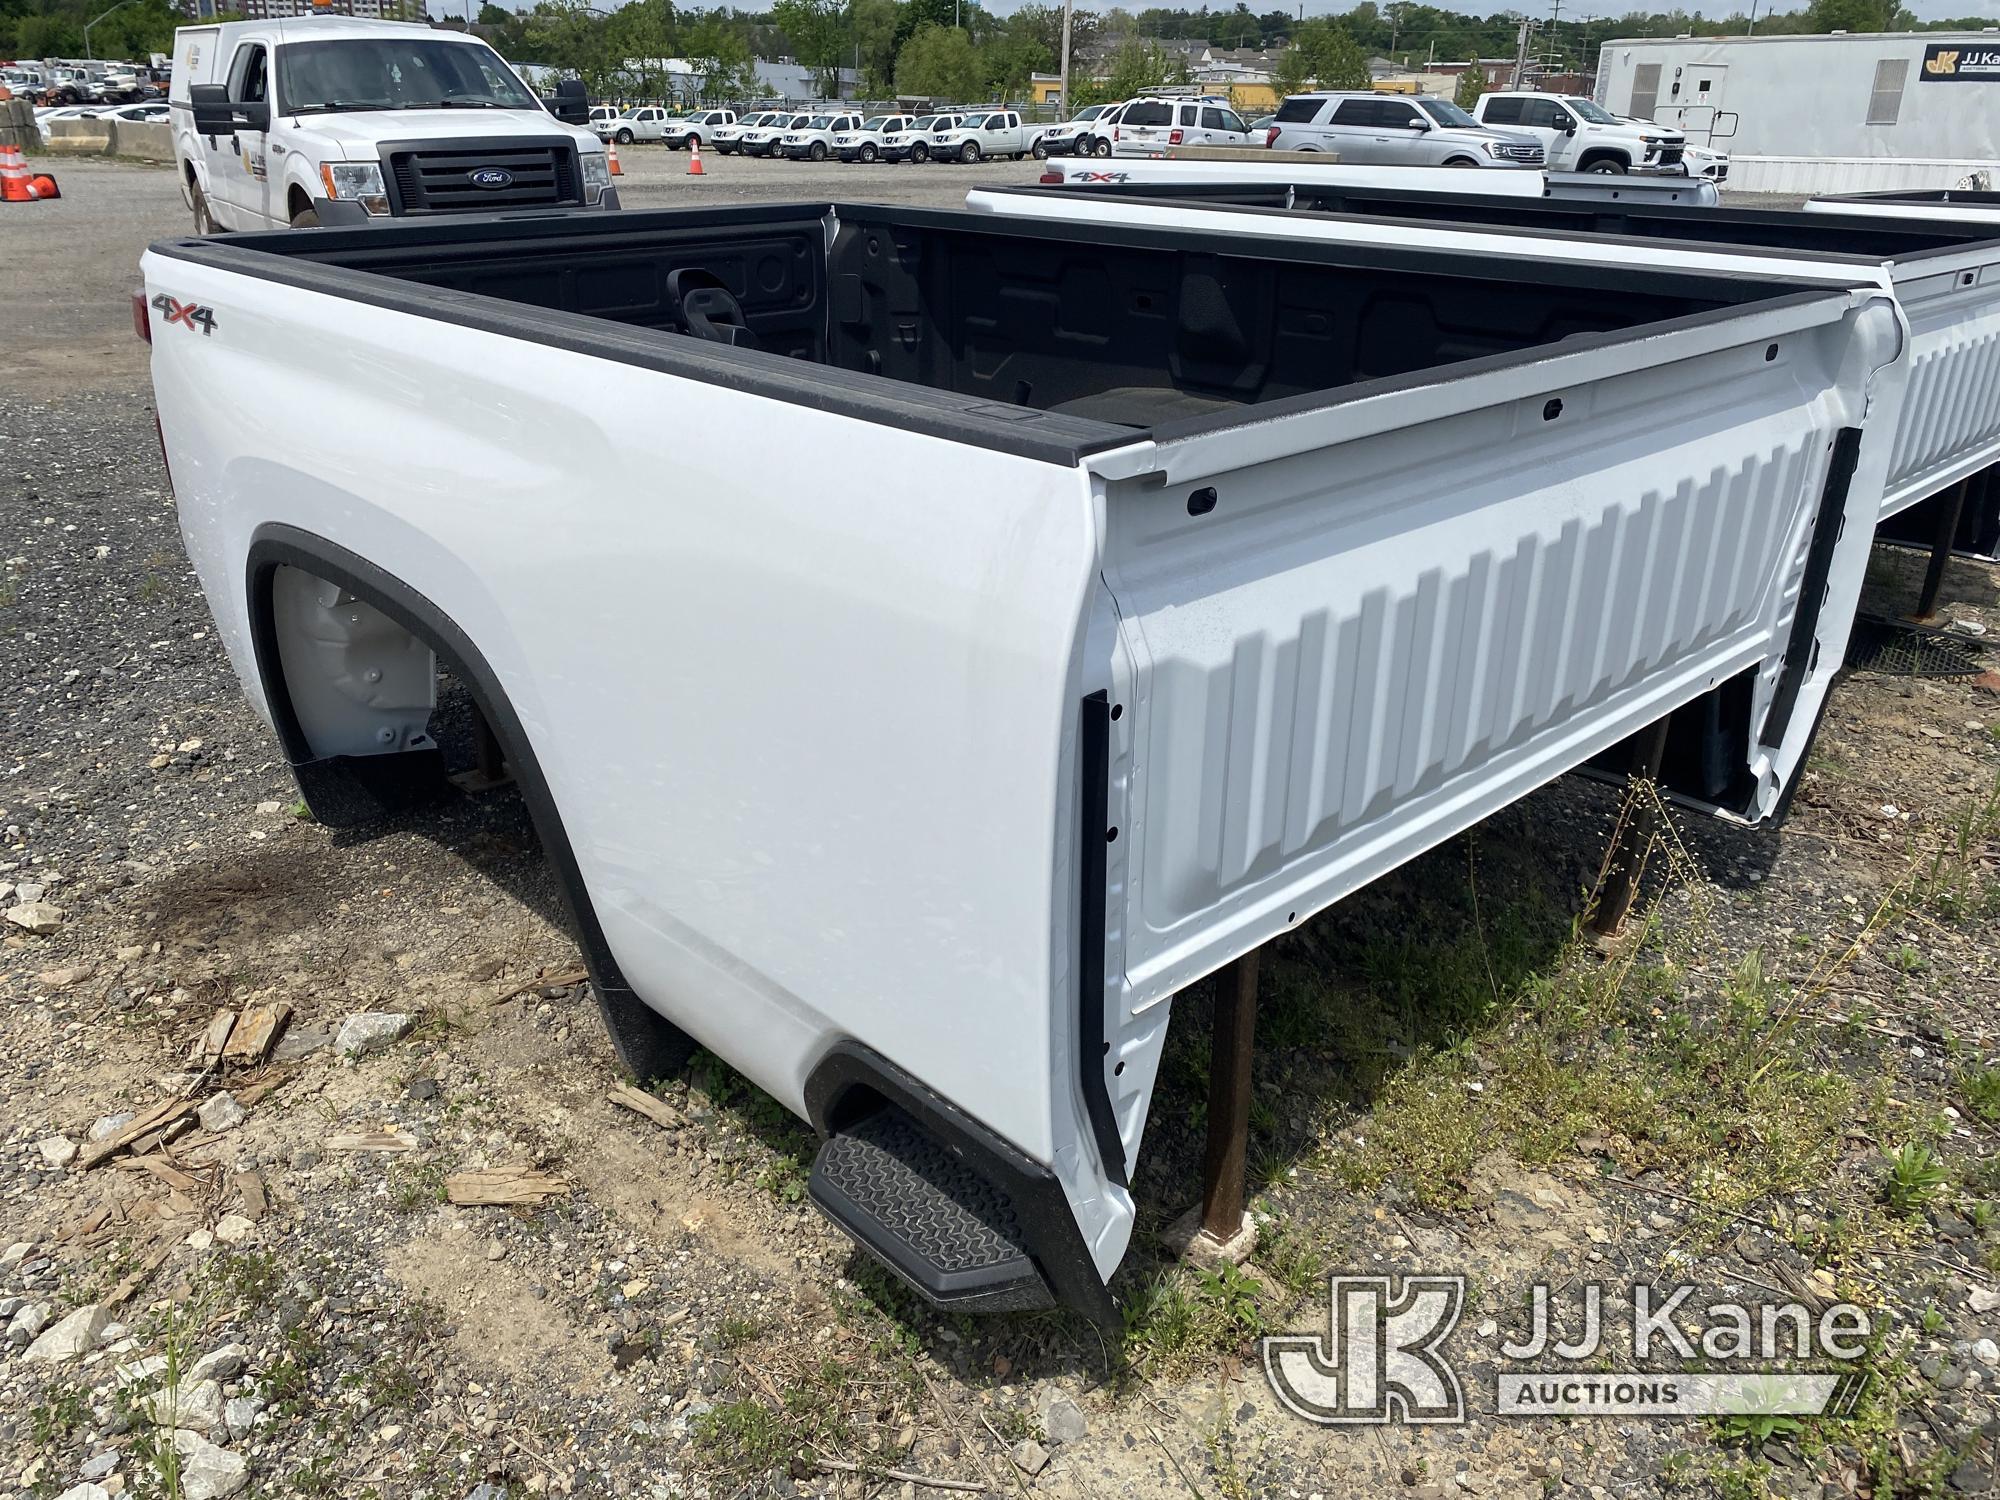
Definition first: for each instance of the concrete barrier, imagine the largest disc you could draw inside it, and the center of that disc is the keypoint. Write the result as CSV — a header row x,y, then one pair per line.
x,y
106,137
17,125
143,141
79,137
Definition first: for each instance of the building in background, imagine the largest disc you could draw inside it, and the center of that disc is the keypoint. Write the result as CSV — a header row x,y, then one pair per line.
x,y
1822,114
261,10
1498,72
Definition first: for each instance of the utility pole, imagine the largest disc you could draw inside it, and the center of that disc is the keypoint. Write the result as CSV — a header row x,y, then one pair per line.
x,y
1753,17
1521,51
1068,8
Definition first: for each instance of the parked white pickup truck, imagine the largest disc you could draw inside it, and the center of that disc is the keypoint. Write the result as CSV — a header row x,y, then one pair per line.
x,y
762,140
698,129
913,142
726,138
864,142
814,140
641,123
324,119
1580,135
980,135
1187,612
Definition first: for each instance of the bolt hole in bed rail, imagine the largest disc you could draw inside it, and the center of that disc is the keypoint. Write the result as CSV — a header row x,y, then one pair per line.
x,y
1180,394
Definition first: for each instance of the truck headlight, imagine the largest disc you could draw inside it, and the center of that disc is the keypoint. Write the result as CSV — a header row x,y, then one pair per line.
x,y
596,175
1494,148
356,182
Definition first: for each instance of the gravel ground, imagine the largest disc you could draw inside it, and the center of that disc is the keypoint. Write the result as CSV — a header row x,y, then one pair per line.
x,y
675,1319
74,330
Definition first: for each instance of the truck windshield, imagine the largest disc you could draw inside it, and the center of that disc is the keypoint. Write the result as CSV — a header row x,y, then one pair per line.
x,y
1592,111
1445,112
395,74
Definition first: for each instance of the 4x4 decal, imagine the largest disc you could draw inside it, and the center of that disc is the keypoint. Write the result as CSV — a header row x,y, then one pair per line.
x,y
187,314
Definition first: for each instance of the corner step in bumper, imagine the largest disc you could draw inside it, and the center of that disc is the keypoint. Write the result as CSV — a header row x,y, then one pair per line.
x,y
920,1208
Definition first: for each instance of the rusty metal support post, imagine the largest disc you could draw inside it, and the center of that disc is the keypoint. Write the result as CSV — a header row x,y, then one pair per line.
x,y
1618,881
490,768
1947,533
1234,1032
492,764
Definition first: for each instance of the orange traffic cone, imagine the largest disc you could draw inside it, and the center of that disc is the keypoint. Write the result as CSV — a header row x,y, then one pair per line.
x,y
45,186
17,185
611,150
694,157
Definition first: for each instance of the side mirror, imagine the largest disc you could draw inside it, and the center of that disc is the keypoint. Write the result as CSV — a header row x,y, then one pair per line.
x,y
1419,125
1570,128
215,115
572,102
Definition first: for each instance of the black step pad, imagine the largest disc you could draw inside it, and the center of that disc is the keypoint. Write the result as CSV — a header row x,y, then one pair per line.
x,y
925,1213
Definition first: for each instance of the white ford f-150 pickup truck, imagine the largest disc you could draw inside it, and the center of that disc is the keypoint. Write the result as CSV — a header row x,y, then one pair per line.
x,y
328,120
1016,623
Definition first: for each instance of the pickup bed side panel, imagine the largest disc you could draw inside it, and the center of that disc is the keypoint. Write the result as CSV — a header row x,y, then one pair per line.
x,y
1951,426
1336,660
1951,421
805,691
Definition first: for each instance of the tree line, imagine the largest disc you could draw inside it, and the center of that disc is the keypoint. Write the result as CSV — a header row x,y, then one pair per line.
x,y
957,49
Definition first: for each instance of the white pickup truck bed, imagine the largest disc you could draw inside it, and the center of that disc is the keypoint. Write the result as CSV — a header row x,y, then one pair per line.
x,y
1961,204
1945,275
927,658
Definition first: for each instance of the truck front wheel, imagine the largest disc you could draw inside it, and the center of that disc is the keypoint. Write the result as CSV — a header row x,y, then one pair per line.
x,y
969,153
204,221
1100,147
818,151
306,218
920,153
1041,151
1461,161
867,153
1609,166
624,137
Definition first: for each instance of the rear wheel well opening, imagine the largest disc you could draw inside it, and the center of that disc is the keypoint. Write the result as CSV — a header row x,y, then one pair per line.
x,y
349,659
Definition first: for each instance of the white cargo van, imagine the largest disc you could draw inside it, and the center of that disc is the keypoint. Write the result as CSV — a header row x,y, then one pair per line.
x,y
329,120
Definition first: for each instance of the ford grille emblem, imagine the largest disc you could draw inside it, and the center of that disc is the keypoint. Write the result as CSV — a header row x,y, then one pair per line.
x,y
492,177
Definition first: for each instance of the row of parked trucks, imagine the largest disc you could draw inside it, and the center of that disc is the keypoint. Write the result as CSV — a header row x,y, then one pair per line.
x,y
1247,538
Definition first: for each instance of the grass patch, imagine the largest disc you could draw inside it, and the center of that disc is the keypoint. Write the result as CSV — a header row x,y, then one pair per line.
x,y
746,1438
1710,1077
1183,1318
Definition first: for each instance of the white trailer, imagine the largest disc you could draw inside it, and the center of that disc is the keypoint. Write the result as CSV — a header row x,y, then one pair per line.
x,y
1822,114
